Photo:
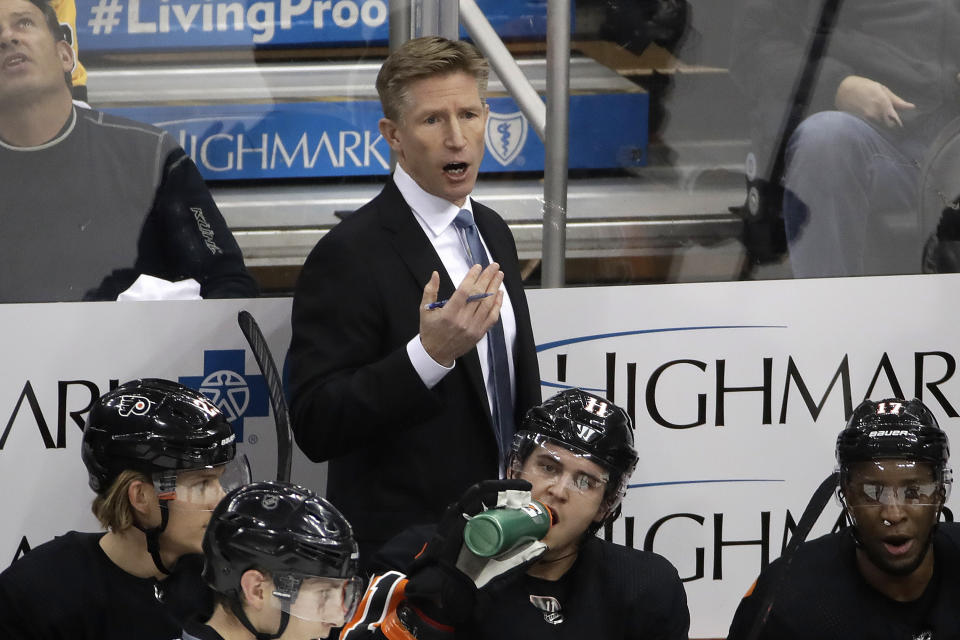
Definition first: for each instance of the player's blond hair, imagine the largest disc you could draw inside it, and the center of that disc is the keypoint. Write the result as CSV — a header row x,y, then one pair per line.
x,y
112,507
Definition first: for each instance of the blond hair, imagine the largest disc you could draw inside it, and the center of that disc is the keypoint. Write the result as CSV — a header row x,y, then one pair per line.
x,y
423,58
112,507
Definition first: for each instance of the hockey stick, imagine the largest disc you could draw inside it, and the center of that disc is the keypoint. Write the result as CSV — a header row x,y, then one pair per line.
x,y
281,414
808,518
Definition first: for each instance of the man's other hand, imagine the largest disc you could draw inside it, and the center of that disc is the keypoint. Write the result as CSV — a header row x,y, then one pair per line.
x,y
438,586
450,331
871,100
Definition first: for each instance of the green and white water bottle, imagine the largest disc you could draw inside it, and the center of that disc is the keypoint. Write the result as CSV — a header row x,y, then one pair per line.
x,y
495,531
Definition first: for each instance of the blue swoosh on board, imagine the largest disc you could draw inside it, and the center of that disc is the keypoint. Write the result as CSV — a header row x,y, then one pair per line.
x,y
601,336
663,484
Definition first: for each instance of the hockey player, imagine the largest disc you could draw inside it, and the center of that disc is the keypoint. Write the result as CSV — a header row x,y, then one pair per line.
x,y
892,573
159,457
574,453
283,562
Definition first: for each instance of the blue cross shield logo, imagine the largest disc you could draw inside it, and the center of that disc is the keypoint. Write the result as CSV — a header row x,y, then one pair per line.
x,y
226,385
505,136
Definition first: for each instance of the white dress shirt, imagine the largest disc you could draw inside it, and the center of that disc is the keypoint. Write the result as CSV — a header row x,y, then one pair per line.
x,y
435,216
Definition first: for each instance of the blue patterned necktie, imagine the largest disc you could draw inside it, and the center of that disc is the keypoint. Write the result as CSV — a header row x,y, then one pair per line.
x,y
498,365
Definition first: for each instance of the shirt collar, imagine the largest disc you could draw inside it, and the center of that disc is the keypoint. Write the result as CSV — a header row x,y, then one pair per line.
x,y
436,213
57,139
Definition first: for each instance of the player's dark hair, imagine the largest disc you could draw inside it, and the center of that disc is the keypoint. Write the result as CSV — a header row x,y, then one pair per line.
x,y
50,16
56,29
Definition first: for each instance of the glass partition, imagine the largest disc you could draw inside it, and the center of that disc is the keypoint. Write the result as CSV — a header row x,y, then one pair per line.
x,y
709,141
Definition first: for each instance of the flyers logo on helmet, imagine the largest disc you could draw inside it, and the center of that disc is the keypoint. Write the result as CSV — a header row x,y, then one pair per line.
x,y
137,405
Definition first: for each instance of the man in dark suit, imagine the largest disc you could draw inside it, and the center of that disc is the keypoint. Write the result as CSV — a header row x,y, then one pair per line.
x,y
413,404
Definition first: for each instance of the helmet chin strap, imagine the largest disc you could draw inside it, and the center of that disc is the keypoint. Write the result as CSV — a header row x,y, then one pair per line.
x,y
848,515
153,537
241,615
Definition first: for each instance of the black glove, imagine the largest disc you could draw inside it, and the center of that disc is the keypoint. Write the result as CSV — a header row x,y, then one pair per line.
x,y
941,254
445,578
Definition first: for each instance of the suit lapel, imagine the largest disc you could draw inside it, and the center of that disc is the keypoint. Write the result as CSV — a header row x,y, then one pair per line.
x,y
411,243
414,249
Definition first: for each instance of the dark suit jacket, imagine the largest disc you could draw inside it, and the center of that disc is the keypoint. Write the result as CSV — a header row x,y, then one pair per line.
x,y
399,452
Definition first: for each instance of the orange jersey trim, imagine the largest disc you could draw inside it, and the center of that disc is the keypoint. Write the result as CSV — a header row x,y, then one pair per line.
x,y
396,584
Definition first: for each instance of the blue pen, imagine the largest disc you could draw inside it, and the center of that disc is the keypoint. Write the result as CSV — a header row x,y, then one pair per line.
x,y
477,296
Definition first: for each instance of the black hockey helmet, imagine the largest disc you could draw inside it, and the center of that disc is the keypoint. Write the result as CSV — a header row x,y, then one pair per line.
x,y
151,426
283,530
896,429
892,428
588,425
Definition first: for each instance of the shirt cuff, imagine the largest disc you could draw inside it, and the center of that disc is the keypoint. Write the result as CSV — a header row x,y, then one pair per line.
x,y
430,371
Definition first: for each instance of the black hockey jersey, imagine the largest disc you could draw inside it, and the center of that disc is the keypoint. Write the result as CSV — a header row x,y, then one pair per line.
x,y
68,589
824,596
611,592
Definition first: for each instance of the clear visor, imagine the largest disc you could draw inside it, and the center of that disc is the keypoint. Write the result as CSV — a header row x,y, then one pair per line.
x,y
202,489
551,462
331,601
885,483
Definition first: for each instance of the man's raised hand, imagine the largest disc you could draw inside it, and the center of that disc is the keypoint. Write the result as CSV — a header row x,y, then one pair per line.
x,y
450,331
